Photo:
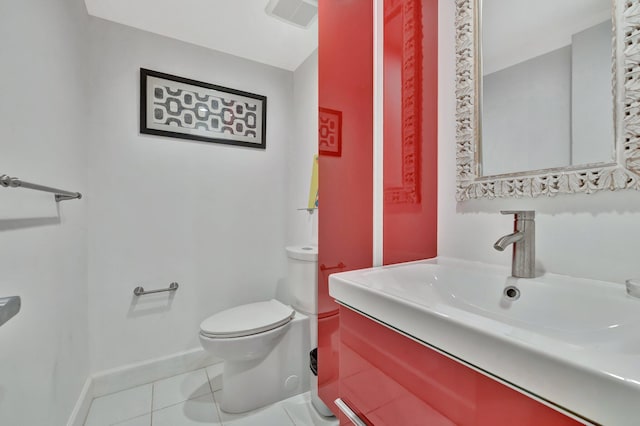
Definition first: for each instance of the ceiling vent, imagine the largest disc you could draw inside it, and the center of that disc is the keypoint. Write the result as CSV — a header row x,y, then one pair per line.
x,y
300,13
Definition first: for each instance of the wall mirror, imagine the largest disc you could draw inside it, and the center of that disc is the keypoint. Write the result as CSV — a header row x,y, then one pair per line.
x,y
548,97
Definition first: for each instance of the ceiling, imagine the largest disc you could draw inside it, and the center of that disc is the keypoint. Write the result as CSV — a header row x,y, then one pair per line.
x,y
237,27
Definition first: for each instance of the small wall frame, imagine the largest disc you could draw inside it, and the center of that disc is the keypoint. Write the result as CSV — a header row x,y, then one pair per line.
x,y
182,108
330,132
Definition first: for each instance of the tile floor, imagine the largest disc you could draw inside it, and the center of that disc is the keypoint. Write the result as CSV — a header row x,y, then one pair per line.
x,y
190,399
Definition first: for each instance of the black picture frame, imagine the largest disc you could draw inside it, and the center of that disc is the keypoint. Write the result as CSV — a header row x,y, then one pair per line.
x,y
183,108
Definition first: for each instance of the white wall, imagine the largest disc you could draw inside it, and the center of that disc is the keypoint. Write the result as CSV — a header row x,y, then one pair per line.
x,y
209,216
302,228
517,30
563,115
593,236
43,137
526,115
591,96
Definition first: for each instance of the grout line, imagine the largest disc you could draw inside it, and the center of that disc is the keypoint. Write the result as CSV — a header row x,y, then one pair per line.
x,y
114,393
293,423
121,390
213,395
190,370
180,402
215,403
126,420
153,388
184,400
209,381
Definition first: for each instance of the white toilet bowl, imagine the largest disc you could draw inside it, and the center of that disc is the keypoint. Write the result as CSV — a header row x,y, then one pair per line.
x,y
264,347
243,348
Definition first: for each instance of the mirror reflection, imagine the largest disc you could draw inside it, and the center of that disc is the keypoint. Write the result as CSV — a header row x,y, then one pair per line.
x,y
547,98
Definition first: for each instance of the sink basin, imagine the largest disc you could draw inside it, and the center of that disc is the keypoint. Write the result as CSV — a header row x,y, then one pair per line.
x,y
572,343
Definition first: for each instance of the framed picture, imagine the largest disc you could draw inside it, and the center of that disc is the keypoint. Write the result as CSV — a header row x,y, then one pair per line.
x,y
188,109
330,132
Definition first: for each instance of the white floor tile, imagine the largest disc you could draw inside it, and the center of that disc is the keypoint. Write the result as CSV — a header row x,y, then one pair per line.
x,y
215,376
109,409
138,421
271,415
302,413
186,400
180,388
194,412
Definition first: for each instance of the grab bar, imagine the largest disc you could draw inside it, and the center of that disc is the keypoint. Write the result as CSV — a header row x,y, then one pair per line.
x,y
340,265
139,291
9,307
60,194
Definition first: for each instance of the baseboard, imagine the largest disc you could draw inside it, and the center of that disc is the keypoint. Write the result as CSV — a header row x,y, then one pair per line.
x,y
132,375
81,409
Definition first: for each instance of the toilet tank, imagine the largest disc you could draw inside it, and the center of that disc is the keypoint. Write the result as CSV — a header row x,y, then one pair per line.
x,y
302,277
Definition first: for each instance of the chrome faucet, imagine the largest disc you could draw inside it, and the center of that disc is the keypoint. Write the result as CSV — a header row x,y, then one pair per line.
x,y
524,243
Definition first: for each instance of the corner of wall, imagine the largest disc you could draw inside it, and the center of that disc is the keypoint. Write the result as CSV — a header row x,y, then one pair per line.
x,y
81,409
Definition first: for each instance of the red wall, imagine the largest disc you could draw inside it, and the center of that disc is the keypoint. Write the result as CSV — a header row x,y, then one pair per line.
x,y
345,239
410,130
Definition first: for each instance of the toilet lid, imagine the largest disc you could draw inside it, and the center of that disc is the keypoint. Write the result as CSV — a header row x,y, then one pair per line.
x,y
247,319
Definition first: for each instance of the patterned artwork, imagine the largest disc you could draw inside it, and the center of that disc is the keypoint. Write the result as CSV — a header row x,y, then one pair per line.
x,y
330,132
178,107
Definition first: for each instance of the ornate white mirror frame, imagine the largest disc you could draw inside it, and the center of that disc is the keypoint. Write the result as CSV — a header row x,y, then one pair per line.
x,y
623,173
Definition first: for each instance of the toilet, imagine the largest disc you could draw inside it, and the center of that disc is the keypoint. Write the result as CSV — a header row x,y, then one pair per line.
x,y
265,345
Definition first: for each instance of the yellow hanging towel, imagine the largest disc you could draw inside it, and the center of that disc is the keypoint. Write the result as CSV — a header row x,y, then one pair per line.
x,y
313,189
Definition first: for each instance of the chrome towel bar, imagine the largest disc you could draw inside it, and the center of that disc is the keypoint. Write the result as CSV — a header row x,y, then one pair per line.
x,y
60,194
9,307
139,291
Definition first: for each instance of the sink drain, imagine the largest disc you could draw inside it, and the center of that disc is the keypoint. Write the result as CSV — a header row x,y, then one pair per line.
x,y
511,293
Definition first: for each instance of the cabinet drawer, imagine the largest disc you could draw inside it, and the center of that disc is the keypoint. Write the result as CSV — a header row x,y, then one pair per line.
x,y
388,379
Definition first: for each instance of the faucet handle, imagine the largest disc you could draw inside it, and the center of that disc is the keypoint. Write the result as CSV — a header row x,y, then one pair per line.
x,y
521,214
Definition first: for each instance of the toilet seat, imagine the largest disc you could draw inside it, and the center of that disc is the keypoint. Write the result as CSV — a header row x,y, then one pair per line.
x,y
246,320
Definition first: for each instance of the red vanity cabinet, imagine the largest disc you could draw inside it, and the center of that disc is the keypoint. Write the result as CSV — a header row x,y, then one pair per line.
x,y
388,379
